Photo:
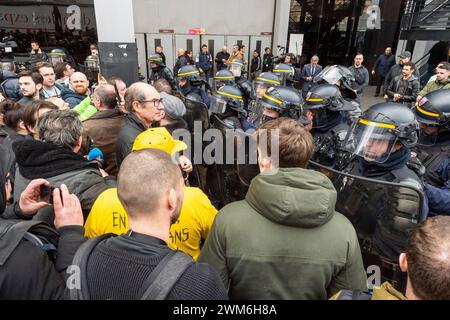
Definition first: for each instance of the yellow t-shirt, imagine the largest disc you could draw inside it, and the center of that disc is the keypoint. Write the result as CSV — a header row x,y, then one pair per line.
x,y
192,227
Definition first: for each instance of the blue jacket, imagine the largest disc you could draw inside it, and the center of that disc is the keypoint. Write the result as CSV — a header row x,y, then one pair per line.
x,y
10,86
383,64
204,61
307,72
71,97
439,198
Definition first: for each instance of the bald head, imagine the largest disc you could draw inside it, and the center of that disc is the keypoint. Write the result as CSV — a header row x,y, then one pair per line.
x,y
180,52
139,91
224,48
79,83
104,97
161,175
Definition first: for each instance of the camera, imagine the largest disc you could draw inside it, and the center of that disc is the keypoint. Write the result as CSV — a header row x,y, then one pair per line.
x,y
6,47
46,193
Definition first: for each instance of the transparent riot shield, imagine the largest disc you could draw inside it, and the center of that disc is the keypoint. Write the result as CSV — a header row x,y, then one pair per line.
x,y
196,111
383,214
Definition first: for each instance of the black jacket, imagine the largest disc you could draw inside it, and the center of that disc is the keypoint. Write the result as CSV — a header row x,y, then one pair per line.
x,y
29,274
181,62
411,92
10,86
219,57
383,64
36,159
395,71
130,130
267,62
162,73
256,64
134,257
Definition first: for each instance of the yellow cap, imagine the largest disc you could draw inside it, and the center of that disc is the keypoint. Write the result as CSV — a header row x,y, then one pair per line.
x,y
158,138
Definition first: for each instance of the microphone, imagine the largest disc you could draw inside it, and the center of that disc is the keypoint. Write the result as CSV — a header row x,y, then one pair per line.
x,y
96,156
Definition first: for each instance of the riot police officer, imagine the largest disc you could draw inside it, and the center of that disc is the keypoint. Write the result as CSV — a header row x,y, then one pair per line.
x,y
281,101
285,74
190,84
433,149
261,84
57,55
160,71
327,110
340,76
227,105
381,141
223,77
236,66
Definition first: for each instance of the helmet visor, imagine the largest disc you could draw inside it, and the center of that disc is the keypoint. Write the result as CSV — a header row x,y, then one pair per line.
x,y
330,75
218,104
370,140
235,69
260,89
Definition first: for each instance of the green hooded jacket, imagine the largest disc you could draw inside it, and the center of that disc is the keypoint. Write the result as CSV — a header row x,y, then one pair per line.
x,y
285,240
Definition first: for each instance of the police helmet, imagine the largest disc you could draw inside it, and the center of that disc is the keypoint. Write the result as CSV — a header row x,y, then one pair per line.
x,y
157,60
227,97
91,62
191,74
375,134
340,76
284,72
236,66
434,108
56,55
223,77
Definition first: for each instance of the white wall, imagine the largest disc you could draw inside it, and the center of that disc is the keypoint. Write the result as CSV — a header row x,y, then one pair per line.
x,y
114,20
231,17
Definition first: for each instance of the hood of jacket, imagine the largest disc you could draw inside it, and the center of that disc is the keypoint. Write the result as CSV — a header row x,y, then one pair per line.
x,y
9,74
37,159
69,93
293,196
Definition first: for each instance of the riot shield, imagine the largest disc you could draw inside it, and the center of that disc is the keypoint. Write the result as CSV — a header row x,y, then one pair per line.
x,y
196,111
383,215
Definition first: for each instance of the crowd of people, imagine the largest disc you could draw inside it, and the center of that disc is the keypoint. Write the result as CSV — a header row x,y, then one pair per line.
x,y
93,175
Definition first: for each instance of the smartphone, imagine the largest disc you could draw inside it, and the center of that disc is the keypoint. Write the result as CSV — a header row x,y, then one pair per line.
x,y
46,193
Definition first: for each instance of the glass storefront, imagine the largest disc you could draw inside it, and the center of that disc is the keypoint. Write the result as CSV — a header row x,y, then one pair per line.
x,y
65,24
336,29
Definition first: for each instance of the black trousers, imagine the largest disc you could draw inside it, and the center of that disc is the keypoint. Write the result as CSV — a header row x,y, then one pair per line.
x,y
380,84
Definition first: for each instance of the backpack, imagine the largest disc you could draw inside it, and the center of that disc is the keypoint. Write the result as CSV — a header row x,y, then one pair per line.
x,y
13,232
158,284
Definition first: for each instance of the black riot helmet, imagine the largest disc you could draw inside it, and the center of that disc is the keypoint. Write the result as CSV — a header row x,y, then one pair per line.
x,y
92,63
191,74
340,76
227,97
263,82
375,134
157,60
223,77
236,66
284,72
57,55
434,108
286,101
326,102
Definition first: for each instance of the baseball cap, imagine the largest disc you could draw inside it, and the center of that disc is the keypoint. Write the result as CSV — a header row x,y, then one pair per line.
x,y
158,138
173,106
405,54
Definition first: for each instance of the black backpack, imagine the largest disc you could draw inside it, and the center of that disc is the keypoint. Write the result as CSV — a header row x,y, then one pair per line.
x,y
158,284
13,232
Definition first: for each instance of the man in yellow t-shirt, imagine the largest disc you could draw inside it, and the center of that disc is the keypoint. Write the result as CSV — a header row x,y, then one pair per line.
x,y
197,213
187,234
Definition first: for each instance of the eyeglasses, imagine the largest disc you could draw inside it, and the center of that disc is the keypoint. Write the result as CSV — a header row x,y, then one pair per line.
x,y
156,102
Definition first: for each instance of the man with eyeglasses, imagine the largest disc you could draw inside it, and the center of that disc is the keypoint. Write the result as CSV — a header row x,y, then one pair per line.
x,y
143,103
49,87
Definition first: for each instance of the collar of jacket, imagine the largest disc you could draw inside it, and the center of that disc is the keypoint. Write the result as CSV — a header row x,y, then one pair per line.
x,y
387,292
105,114
37,159
136,122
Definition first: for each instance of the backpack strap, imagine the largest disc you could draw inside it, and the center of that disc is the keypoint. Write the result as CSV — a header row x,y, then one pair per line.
x,y
81,259
162,279
12,232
